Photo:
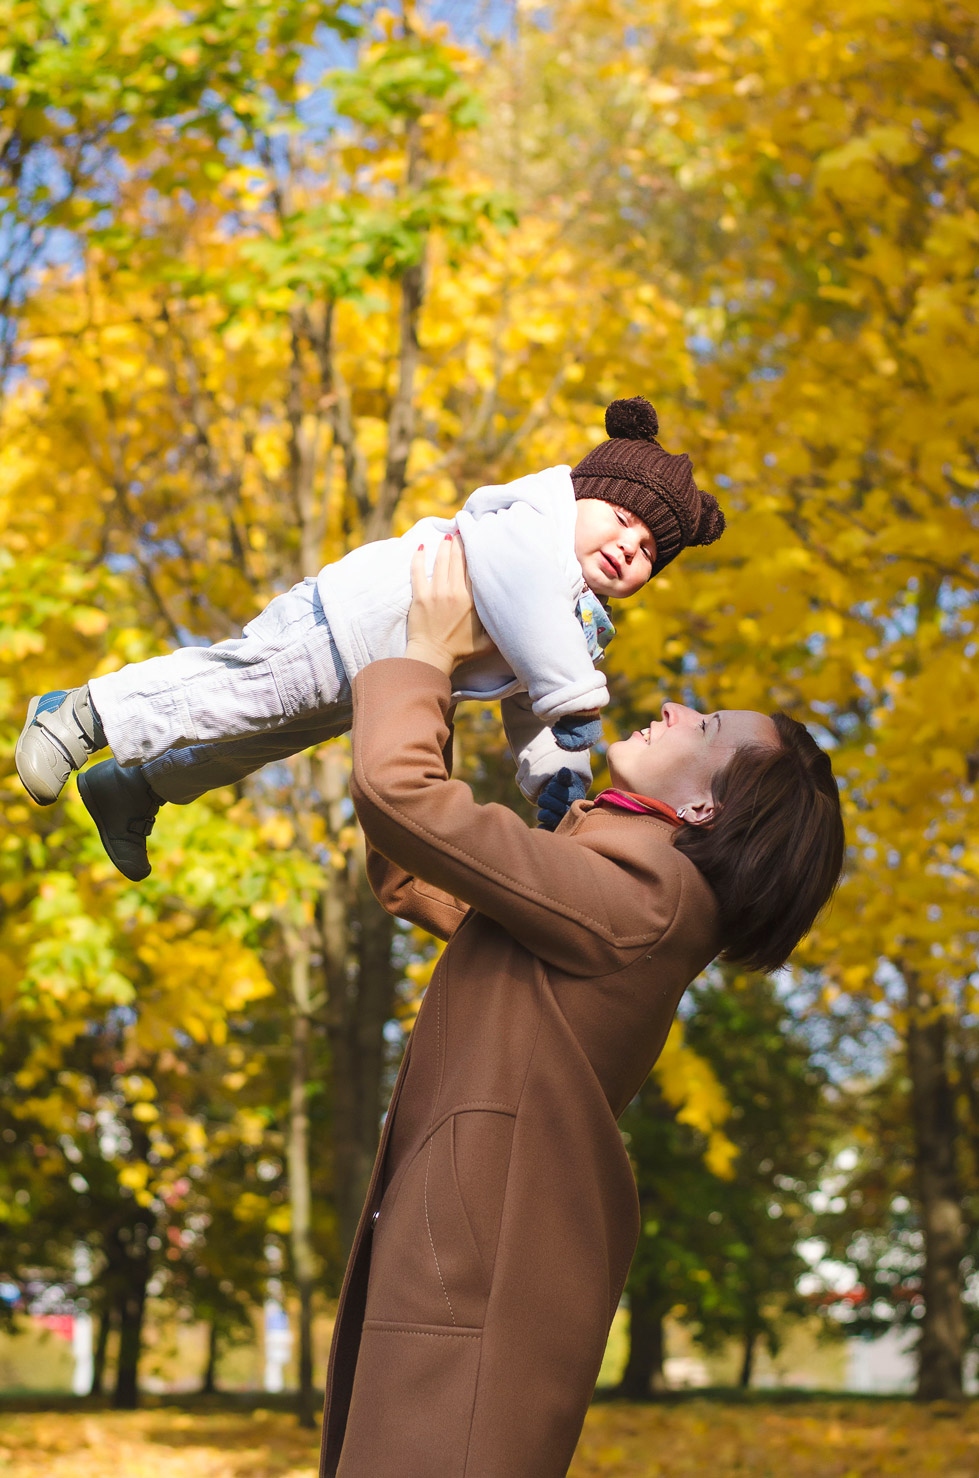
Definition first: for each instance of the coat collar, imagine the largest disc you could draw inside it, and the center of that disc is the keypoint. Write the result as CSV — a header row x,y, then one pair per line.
x,y
612,830
644,805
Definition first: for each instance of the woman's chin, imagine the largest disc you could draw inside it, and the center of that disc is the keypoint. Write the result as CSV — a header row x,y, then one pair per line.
x,y
618,773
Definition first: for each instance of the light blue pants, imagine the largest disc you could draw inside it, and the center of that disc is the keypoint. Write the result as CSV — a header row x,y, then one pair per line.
x,y
203,717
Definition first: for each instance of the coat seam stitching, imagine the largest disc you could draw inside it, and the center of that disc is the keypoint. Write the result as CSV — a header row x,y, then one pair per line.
x,y
605,932
428,1224
453,1160
541,977
438,1032
389,1327
349,1276
476,1106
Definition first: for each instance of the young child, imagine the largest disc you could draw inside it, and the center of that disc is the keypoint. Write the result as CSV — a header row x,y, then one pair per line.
x,y
544,554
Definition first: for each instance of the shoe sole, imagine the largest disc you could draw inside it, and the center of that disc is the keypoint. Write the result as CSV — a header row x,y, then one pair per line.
x,y
92,807
19,758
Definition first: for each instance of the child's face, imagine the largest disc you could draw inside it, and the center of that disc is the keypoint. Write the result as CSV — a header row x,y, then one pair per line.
x,y
615,549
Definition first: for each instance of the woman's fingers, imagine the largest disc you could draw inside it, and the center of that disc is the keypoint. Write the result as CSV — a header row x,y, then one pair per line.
x,y
442,621
450,578
419,580
453,565
454,569
458,558
460,591
441,583
424,583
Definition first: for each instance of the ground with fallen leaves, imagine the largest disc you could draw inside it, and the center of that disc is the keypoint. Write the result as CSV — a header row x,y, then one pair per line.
x,y
809,1439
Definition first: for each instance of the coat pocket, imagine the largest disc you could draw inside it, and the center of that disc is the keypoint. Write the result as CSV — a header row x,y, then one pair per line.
x,y
412,1404
436,1236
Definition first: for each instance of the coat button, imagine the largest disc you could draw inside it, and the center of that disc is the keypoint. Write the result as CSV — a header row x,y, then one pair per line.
x,y
374,1218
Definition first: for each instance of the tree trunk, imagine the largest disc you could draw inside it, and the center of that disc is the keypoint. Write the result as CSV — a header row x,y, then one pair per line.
x,y
356,933
209,1384
401,421
100,1352
356,938
361,1002
748,1357
643,1375
305,446
133,1271
336,397
300,1188
943,1332
401,417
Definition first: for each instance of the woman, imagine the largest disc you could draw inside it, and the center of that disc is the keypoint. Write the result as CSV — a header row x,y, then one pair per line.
x,y
502,1214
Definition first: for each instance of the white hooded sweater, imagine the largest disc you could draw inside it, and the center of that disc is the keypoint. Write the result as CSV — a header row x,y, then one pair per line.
x,y
526,579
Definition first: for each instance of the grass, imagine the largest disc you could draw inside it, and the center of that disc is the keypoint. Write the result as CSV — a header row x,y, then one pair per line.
x,y
707,1437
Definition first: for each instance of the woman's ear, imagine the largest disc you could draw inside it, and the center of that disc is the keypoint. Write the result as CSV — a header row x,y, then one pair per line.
x,y
697,813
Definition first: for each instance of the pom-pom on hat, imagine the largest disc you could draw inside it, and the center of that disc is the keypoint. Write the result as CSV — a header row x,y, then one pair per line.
x,y
633,470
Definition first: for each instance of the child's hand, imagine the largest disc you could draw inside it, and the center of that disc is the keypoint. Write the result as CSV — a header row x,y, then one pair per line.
x,y
578,730
443,627
557,797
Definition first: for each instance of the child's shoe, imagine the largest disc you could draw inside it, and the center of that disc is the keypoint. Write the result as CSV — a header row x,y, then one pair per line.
x,y
124,808
61,731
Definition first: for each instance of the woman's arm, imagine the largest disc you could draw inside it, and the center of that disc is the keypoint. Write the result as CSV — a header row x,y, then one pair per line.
x,y
408,898
563,901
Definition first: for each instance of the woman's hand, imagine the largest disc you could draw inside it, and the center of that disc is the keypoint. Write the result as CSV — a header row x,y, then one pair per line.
x,y
443,627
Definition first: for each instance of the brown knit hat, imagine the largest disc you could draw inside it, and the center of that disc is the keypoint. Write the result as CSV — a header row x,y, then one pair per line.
x,y
633,470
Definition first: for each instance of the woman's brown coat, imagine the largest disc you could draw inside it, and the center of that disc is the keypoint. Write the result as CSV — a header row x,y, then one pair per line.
x,y
502,1214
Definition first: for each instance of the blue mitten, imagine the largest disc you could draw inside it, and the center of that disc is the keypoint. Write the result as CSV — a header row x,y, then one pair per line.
x,y
577,731
557,796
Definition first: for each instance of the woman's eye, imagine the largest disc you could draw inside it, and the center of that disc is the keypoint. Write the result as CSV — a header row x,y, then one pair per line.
x,y
620,517
703,725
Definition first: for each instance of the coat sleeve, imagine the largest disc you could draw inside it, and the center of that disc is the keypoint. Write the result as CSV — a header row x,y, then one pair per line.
x,y
409,898
526,602
574,908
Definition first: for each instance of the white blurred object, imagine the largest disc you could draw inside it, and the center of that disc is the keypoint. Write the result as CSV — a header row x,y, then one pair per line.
x,y
885,1366
82,1351
685,1372
278,1341
81,1329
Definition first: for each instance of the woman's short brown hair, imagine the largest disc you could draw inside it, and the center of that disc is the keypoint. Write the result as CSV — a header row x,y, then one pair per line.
x,y
773,853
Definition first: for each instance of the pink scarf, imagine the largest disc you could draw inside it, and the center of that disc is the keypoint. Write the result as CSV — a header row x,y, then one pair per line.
x,y
625,800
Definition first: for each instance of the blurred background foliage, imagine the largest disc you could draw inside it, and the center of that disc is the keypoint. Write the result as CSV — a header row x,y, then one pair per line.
x,y
276,278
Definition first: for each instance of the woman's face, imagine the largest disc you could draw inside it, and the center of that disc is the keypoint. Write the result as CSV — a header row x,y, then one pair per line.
x,y
676,759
